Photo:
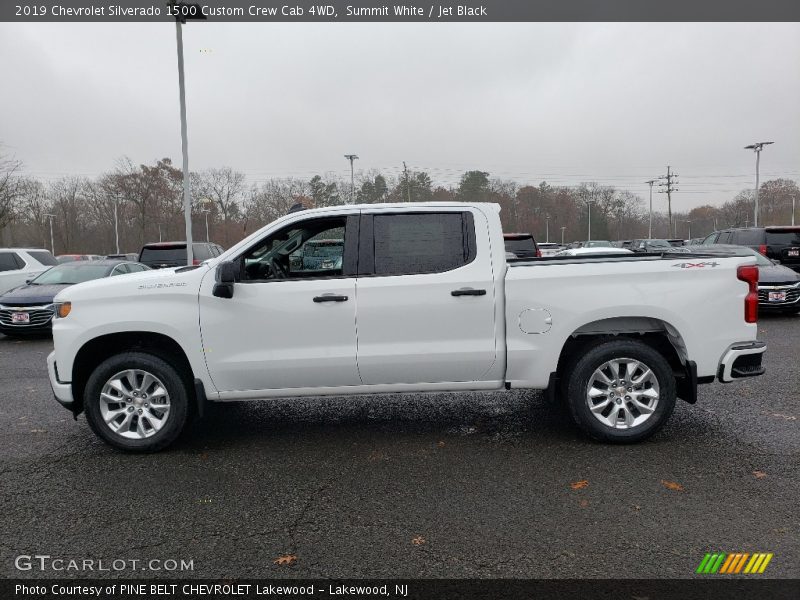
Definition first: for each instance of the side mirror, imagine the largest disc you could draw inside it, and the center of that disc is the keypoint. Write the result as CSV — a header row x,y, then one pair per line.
x,y
225,278
27,281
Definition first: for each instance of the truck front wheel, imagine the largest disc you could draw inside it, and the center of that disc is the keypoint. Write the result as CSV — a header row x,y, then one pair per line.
x,y
621,391
136,402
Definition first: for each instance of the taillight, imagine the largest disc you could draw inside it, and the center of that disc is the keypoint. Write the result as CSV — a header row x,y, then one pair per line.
x,y
196,261
763,249
538,253
749,274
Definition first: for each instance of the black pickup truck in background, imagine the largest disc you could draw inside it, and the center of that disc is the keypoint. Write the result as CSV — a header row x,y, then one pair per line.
x,y
521,245
777,243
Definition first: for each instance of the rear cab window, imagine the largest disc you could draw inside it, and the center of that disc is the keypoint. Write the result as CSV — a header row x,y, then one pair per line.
x,y
43,257
748,237
783,237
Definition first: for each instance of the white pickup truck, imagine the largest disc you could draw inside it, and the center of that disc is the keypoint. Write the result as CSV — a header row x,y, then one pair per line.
x,y
422,299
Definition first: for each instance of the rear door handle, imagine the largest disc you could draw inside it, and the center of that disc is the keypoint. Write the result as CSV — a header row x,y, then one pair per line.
x,y
468,292
330,298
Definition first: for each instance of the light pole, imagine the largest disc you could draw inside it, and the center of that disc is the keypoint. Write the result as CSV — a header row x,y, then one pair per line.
x,y
116,221
589,235
690,229
794,199
650,226
547,229
206,211
351,158
52,244
183,11
562,234
757,149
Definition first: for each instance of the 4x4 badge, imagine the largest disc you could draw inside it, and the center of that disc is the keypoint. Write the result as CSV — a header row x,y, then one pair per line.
x,y
697,265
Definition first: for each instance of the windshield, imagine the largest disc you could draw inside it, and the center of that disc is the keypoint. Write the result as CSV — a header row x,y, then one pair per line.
x,y
598,244
164,253
70,273
519,245
779,238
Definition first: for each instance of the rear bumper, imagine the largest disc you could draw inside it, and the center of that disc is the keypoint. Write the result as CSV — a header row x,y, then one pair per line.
x,y
742,360
62,391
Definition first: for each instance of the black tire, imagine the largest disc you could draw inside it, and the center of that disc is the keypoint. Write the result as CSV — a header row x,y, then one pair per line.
x,y
170,377
579,377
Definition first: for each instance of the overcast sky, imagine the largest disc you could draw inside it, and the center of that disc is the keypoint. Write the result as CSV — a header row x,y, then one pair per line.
x,y
565,103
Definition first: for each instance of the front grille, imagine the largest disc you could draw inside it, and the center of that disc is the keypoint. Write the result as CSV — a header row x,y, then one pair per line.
x,y
792,294
39,316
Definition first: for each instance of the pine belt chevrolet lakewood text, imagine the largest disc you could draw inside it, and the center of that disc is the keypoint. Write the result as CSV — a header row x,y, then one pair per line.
x,y
402,298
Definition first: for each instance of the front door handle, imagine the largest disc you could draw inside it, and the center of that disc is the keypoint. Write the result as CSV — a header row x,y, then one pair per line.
x,y
330,298
468,292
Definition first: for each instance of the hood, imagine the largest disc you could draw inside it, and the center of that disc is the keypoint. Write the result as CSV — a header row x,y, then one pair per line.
x,y
26,295
132,283
777,274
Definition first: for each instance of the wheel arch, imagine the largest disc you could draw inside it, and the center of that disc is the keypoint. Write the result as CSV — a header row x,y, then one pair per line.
x,y
96,350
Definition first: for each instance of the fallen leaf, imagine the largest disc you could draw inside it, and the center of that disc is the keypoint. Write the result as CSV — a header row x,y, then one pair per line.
x,y
671,485
637,507
286,559
584,503
418,541
579,485
440,444
759,474
203,455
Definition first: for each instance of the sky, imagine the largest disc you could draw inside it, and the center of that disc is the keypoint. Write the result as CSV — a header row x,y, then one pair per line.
x,y
563,103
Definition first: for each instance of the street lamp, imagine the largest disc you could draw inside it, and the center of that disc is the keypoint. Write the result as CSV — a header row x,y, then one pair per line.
x,y
690,229
184,11
205,202
351,158
562,234
52,244
757,149
547,229
650,226
116,221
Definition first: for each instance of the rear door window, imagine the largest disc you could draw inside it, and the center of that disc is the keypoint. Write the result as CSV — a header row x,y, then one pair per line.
x,y
724,238
409,244
748,237
10,261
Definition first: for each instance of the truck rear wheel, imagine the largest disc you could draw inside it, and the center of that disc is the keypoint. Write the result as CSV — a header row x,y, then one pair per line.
x,y
621,391
136,402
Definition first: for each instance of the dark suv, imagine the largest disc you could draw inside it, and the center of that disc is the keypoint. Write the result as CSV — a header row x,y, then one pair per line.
x,y
521,245
160,255
778,243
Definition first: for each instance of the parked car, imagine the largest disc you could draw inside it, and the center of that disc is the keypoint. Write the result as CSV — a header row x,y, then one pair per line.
x,y
132,256
776,243
20,264
548,249
65,258
778,285
596,250
321,255
598,244
28,309
651,246
160,255
521,245
438,308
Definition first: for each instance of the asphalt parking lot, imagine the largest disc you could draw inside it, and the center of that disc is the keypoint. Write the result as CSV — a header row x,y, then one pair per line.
x,y
445,485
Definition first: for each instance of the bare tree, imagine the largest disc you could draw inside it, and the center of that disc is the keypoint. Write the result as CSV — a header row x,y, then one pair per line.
x,y
225,188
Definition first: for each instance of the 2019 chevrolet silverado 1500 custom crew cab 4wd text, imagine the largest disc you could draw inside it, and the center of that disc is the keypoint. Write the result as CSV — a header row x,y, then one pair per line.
x,y
422,299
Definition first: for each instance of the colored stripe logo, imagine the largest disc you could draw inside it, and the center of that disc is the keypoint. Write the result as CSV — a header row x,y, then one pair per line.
x,y
734,563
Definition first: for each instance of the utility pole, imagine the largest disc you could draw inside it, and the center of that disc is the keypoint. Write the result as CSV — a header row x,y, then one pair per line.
x,y
757,149
351,158
562,234
650,226
184,11
667,185
408,185
52,244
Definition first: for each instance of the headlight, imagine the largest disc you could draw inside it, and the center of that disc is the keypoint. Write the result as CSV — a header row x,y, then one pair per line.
x,y
63,309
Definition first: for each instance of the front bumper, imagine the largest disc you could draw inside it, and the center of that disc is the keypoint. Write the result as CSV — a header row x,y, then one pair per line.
x,y
62,391
742,360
